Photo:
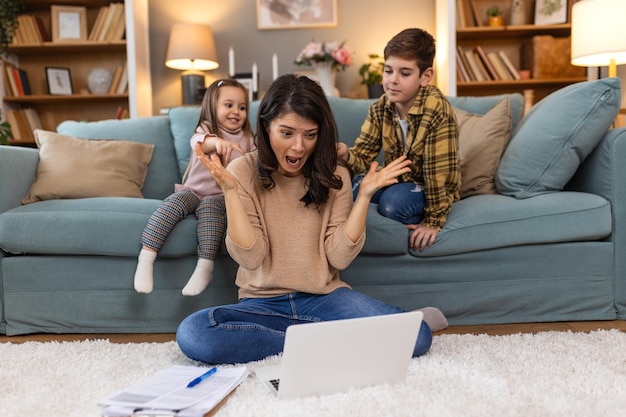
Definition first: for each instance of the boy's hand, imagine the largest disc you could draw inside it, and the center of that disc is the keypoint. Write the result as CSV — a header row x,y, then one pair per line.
x,y
421,236
342,151
224,179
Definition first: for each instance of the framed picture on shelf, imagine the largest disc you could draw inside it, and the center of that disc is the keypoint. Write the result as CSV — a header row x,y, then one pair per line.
x,y
69,23
59,81
295,14
550,12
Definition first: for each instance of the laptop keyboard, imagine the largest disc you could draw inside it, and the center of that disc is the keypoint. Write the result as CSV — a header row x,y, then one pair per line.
x,y
275,383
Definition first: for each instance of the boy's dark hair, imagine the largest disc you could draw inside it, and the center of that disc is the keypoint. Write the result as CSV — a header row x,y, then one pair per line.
x,y
208,110
413,44
304,97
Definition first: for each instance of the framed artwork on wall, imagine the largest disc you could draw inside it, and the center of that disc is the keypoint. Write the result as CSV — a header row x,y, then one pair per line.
x,y
69,23
295,14
550,12
59,81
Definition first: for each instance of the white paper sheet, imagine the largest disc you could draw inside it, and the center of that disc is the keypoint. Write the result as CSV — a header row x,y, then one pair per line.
x,y
166,393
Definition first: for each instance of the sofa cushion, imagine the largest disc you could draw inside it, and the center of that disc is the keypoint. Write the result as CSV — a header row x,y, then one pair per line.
x,y
482,104
492,221
183,122
108,226
70,167
556,136
482,140
163,169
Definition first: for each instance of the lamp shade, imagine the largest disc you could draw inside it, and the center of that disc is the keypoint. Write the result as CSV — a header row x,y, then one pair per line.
x,y
191,47
599,33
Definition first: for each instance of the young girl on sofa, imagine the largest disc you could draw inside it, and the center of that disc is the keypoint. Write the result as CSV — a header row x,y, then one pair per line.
x,y
223,129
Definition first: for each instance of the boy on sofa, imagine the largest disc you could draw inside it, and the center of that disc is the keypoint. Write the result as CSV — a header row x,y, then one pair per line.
x,y
225,113
415,119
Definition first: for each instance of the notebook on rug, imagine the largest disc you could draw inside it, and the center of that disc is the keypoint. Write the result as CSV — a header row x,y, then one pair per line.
x,y
334,356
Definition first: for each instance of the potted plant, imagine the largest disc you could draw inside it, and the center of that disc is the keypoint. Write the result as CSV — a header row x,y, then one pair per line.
x,y
9,11
372,75
495,16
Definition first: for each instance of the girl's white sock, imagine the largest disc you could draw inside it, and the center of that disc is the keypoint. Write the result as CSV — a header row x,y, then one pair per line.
x,y
145,270
202,275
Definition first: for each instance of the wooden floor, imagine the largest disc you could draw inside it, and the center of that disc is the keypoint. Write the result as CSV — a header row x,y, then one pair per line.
x,y
491,329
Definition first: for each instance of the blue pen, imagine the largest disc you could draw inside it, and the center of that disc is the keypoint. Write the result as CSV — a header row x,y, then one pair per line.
x,y
201,377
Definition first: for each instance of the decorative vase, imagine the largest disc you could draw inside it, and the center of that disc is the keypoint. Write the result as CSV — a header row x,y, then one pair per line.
x,y
518,12
375,90
496,21
99,81
326,75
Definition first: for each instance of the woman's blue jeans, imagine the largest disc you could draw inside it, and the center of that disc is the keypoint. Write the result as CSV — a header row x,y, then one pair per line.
x,y
403,202
255,328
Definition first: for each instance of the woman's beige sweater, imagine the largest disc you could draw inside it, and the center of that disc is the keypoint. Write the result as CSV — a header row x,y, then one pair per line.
x,y
297,248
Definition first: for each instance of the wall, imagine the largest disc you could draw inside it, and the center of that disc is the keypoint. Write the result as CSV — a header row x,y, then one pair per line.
x,y
365,25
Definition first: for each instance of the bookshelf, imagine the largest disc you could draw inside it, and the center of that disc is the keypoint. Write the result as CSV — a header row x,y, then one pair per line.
x,y
81,56
517,42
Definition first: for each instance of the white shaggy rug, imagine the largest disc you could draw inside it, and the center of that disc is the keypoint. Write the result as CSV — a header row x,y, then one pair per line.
x,y
543,375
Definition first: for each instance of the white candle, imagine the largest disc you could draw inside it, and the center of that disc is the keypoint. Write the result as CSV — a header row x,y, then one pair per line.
x,y
274,67
231,62
255,81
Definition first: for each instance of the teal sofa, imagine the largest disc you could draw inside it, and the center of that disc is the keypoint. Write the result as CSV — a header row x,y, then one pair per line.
x,y
66,266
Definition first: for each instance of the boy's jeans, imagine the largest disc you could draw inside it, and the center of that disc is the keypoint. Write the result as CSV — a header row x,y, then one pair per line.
x,y
255,328
403,202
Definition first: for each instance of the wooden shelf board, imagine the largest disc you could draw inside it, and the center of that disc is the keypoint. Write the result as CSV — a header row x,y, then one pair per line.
x,y
544,82
513,31
74,98
64,47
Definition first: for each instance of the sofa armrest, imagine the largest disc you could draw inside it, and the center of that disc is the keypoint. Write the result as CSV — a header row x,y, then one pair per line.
x,y
604,173
18,167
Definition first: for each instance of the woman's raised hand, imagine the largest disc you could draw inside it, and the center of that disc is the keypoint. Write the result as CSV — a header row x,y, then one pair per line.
x,y
224,179
386,176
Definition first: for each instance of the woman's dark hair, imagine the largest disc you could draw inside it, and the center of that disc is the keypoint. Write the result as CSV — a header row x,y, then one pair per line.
x,y
300,95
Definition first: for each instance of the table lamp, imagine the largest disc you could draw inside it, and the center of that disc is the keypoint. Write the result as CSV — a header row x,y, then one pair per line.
x,y
191,48
599,34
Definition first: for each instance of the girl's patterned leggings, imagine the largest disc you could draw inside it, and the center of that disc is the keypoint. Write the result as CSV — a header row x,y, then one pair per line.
x,y
211,215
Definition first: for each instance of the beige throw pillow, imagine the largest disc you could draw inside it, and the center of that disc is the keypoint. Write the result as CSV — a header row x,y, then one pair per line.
x,y
71,167
482,140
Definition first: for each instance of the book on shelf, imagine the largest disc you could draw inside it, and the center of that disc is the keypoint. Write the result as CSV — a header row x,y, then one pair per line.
x,y
117,75
121,113
116,31
461,55
462,73
97,26
110,24
30,31
21,80
461,20
481,66
475,12
509,65
486,63
9,80
473,64
499,66
122,85
23,123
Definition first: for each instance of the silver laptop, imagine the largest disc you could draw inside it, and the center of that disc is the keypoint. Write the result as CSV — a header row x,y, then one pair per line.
x,y
334,356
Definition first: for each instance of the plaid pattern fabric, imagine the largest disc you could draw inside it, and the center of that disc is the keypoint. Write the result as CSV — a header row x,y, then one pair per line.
x,y
211,215
431,144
